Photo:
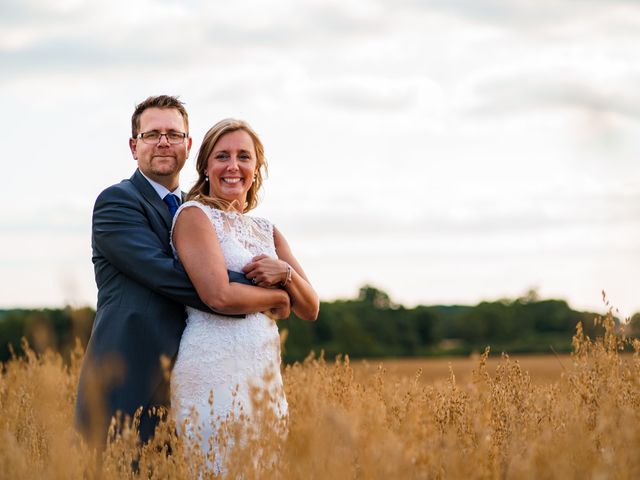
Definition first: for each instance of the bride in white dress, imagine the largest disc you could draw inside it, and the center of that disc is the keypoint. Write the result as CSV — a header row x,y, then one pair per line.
x,y
221,357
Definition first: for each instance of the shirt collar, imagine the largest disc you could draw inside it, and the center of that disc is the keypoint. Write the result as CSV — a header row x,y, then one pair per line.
x,y
163,191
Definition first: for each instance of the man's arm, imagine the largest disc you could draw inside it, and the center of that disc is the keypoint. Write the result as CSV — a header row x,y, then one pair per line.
x,y
121,232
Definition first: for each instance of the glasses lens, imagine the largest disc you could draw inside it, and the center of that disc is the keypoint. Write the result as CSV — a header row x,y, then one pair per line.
x,y
175,137
151,137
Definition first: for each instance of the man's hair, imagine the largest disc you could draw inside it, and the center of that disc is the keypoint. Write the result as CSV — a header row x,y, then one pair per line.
x,y
161,101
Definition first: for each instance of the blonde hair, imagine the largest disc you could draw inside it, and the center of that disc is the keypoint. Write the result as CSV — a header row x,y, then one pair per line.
x,y
200,191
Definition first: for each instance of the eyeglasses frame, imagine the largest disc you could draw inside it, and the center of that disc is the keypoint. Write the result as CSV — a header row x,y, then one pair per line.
x,y
141,136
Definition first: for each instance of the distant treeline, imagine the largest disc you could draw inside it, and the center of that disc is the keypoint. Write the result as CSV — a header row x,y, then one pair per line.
x,y
370,325
373,326
52,328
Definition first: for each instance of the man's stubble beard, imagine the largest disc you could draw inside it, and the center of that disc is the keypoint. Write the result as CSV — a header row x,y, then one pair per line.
x,y
165,169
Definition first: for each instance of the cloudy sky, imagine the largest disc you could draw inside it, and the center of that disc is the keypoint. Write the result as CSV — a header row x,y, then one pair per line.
x,y
444,151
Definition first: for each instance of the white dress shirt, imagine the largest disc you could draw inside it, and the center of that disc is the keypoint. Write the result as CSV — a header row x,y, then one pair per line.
x,y
163,191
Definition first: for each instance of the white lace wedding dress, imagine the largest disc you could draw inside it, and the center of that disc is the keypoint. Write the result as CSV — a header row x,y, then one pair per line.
x,y
220,357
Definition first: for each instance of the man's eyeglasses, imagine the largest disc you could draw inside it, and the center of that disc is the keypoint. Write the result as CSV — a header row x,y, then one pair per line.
x,y
153,137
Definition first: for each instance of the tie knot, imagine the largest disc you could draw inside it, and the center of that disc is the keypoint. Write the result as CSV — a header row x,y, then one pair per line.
x,y
172,203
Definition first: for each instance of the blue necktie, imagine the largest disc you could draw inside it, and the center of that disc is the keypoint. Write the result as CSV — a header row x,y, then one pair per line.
x,y
172,203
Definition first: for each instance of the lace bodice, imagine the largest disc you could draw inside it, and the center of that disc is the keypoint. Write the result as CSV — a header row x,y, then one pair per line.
x,y
241,237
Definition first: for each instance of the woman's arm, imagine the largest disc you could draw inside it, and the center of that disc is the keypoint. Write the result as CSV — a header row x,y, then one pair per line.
x,y
199,251
269,272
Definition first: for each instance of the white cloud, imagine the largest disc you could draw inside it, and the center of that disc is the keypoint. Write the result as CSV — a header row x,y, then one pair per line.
x,y
597,88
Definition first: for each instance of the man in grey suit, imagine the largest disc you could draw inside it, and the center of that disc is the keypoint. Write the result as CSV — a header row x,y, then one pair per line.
x,y
142,289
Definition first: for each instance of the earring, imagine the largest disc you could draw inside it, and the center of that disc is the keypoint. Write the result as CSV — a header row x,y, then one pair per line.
x,y
255,177
206,178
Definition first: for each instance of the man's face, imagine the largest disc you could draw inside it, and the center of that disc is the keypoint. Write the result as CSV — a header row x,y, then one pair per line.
x,y
163,161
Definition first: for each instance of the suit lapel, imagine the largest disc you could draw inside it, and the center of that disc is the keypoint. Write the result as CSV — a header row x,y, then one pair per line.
x,y
151,196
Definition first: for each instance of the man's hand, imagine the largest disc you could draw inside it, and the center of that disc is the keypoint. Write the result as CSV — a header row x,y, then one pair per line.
x,y
265,271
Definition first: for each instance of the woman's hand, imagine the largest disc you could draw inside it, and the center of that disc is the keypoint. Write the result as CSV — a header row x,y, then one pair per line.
x,y
286,271
265,271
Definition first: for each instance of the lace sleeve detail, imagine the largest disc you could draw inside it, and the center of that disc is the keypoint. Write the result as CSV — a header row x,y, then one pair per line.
x,y
265,226
264,234
217,219
190,203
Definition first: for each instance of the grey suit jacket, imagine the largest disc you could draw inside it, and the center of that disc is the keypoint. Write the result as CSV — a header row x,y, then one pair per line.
x,y
142,292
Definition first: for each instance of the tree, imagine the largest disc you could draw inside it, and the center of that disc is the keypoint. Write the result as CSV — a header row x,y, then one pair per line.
x,y
632,328
373,296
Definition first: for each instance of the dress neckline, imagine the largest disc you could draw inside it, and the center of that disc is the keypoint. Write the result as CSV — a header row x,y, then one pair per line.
x,y
230,213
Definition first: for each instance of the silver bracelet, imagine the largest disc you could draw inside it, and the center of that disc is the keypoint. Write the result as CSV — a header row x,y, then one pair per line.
x,y
287,279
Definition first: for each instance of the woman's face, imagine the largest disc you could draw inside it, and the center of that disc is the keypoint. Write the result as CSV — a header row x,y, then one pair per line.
x,y
231,167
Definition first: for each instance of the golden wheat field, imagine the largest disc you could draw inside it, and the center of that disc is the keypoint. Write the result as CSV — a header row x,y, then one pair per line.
x,y
363,421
